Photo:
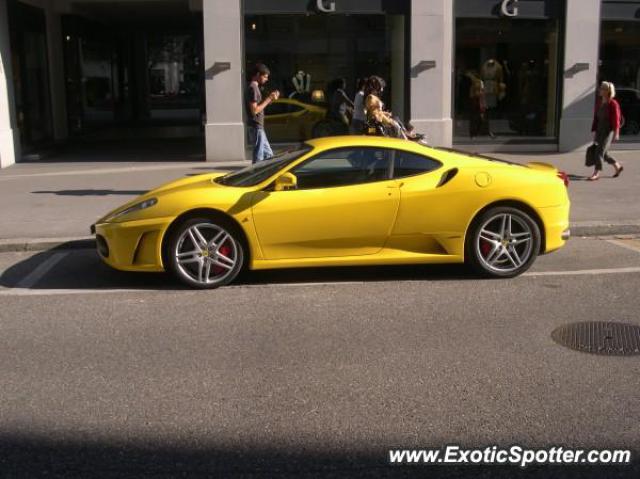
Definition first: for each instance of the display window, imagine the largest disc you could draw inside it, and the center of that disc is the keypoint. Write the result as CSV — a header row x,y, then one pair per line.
x,y
620,64
506,80
316,60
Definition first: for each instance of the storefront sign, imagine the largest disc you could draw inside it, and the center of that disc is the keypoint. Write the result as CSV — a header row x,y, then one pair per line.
x,y
529,9
326,8
509,8
337,7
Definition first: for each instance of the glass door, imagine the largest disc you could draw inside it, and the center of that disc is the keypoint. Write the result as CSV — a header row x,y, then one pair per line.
x,y
30,74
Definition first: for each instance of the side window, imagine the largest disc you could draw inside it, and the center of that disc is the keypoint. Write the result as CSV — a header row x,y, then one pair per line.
x,y
410,164
344,167
294,108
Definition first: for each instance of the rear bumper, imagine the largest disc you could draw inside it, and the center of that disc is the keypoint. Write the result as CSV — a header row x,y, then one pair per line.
x,y
556,224
132,245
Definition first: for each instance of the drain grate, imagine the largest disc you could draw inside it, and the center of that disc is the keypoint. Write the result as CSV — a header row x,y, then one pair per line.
x,y
600,337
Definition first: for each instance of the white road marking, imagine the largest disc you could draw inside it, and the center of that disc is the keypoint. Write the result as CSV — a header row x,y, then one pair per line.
x,y
25,291
54,292
585,272
43,268
624,245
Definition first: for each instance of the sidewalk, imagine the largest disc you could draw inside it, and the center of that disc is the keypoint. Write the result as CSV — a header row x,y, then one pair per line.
x,y
45,204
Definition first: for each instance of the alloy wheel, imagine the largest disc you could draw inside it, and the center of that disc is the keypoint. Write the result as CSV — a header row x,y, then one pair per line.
x,y
504,243
206,254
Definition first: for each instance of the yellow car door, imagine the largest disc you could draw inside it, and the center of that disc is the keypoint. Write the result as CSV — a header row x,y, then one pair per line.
x,y
433,214
345,204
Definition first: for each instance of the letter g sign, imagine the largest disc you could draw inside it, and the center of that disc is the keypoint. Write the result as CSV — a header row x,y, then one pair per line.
x,y
324,8
509,8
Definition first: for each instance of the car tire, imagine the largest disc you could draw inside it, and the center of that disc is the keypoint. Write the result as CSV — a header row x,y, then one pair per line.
x,y
205,253
502,242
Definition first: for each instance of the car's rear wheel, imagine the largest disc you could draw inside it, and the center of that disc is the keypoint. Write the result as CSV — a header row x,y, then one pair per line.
x,y
205,253
503,242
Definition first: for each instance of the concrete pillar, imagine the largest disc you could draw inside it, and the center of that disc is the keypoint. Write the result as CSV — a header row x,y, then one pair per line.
x,y
432,41
224,80
9,134
56,73
580,73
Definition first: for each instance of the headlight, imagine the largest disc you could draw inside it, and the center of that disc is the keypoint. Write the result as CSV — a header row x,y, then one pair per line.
x,y
137,207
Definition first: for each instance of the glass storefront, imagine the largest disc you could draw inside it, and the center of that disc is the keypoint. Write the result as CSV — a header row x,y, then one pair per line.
x,y
31,75
309,54
620,64
506,84
134,77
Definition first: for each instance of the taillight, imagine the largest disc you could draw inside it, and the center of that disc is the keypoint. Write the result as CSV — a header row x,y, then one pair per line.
x,y
564,177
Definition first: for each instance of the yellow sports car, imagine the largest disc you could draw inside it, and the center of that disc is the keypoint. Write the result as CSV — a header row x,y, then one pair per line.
x,y
287,119
343,201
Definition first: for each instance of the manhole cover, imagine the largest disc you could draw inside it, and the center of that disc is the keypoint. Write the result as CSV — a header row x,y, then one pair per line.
x,y
600,337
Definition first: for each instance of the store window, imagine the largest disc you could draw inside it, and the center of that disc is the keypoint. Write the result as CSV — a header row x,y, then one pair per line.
x,y
506,72
311,55
620,64
27,30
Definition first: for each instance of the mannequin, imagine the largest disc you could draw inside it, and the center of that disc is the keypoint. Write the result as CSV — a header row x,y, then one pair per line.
x,y
492,76
302,84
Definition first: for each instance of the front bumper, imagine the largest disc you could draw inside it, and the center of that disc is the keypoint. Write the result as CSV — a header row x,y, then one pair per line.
x,y
132,245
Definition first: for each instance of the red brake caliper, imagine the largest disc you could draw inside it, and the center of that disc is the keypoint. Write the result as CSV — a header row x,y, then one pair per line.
x,y
485,247
225,250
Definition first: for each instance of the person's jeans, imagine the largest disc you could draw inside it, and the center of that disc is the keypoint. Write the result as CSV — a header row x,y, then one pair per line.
x,y
261,147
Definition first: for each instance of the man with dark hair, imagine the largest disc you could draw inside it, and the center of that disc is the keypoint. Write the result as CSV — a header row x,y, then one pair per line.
x,y
255,112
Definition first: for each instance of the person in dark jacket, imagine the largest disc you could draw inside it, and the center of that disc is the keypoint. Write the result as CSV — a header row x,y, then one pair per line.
x,y
606,128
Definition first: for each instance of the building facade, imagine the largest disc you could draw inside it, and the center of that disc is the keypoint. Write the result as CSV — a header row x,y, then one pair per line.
x,y
494,75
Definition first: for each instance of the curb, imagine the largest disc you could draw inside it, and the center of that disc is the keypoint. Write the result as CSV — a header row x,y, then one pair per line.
x,y
41,244
601,228
594,229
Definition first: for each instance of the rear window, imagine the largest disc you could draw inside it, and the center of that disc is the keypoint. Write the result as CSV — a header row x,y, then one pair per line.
x,y
409,164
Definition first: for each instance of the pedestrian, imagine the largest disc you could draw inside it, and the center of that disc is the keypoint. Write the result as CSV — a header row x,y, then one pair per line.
x,y
478,119
375,108
359,113
606,128
340,105
255,112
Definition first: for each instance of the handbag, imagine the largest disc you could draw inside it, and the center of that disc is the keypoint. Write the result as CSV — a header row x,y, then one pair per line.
x,y
590,156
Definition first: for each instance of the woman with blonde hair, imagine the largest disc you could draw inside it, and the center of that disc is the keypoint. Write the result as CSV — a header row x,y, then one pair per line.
x,y
375,108
606,128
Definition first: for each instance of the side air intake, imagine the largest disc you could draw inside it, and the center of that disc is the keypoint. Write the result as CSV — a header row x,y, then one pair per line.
x,y
447,176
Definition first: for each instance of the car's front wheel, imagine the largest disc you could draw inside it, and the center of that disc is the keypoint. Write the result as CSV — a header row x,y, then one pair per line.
x,y
503,242
205,253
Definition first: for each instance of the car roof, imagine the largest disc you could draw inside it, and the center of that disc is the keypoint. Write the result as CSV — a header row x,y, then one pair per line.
x,y
365,140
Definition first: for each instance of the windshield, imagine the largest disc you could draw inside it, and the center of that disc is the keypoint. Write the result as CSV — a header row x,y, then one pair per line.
x,y
258,172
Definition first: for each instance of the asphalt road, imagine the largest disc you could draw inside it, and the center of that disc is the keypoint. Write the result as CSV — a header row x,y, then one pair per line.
x,y
309,373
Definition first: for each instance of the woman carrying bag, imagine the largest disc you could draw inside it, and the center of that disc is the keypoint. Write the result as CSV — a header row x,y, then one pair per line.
x,y
606,129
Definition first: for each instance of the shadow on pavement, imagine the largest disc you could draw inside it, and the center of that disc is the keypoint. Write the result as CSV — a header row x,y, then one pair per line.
x,y
82,269
93,192
25,456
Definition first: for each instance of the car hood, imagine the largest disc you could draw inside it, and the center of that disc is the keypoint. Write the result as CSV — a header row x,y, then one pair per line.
x,y
182,184
185,183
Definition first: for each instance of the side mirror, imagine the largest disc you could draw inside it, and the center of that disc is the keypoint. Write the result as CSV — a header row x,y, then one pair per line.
x,y
286,181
